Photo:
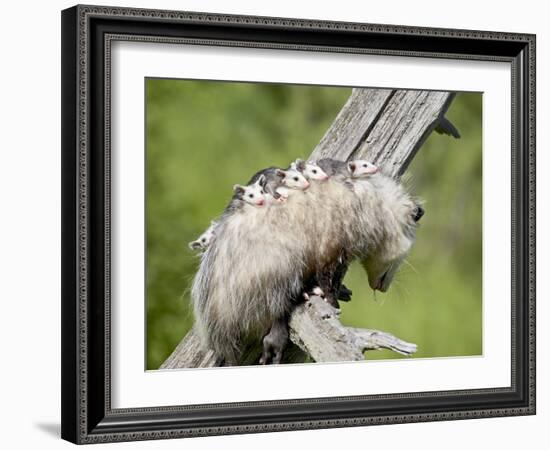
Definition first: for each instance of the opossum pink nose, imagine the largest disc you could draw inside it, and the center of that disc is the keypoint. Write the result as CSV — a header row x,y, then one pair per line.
x,y
372,170
306,185
260,202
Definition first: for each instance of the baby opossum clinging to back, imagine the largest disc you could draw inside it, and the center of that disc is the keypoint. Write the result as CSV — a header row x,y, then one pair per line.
x,y
204,240
279,182
277,185
253,194
265,255
347,171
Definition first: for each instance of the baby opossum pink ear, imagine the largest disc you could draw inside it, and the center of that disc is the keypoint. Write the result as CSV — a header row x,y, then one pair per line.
x,y
280,173
238,189
351,167
300,165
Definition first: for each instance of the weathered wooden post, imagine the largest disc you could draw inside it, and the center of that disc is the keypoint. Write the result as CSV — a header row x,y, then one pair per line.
x,y
386,126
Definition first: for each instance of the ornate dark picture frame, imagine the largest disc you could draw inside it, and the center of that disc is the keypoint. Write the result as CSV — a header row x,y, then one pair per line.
x,y
87,33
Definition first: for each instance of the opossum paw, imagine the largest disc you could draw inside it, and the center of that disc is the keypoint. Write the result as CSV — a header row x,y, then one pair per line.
x,y
274,344
271,357
344,293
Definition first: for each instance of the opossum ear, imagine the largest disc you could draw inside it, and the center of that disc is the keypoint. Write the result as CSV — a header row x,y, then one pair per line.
x,y
238,189
300,165
418,213
280,173
351,167
262,180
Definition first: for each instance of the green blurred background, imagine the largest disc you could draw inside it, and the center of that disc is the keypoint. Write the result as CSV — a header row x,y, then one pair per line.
x,y
203,137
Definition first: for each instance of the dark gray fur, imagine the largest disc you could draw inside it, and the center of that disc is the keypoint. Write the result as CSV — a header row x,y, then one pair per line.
x,y
272,180
333,167
275,342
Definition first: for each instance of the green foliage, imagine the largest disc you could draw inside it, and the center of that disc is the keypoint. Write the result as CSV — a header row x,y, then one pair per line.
x,y
203,137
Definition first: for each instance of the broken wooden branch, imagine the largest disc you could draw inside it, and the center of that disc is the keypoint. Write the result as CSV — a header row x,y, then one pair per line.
x,y
316,329
387,127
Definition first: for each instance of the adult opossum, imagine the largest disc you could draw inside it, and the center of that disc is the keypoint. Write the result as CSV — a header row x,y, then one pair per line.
x,y
250,272
264,257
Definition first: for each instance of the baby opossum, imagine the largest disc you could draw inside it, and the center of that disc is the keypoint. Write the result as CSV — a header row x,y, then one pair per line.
x,y
309,170
253,193
347,170
264,257
278,182
203,241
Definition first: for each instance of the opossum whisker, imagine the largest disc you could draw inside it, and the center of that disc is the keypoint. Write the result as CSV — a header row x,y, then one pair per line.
x,y
406,261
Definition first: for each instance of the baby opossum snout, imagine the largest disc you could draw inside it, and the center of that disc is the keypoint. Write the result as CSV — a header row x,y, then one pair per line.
x,y
361,168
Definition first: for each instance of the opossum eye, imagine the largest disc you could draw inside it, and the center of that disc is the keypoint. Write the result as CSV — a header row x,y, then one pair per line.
x,y
203,240
295,178
314,171
364,165
251,195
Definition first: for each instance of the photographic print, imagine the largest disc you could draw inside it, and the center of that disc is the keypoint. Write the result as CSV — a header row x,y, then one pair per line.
x,y
282,224
310,224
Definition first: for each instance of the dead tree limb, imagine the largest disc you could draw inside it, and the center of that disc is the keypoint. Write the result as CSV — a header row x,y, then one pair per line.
x,y
316,329
387,127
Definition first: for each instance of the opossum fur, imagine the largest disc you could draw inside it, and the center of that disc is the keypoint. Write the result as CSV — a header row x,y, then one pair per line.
x,y
262,257
247,277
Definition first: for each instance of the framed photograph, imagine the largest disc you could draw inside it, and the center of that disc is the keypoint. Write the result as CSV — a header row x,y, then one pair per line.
x,y
282,224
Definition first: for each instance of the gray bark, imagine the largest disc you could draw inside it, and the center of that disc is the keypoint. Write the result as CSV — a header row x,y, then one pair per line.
x,y
316,329
386,127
